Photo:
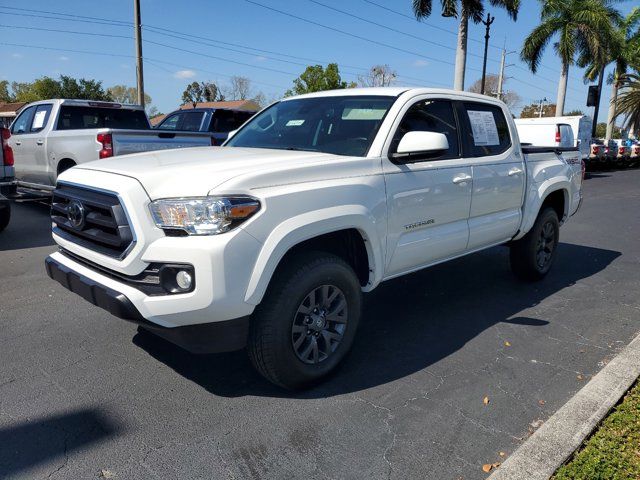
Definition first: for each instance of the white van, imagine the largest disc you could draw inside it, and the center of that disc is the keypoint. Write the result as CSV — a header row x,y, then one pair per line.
x,y
551,131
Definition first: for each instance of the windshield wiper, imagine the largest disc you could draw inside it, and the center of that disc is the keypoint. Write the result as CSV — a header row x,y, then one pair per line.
x,y
299,149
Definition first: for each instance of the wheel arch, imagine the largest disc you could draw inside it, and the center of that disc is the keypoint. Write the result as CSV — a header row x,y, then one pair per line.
x,y
553,193
349,235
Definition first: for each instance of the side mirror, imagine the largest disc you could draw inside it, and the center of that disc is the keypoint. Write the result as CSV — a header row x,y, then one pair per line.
x,y
413,143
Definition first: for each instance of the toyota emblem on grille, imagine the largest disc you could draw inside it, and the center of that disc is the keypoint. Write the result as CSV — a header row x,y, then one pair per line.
x,y
75,214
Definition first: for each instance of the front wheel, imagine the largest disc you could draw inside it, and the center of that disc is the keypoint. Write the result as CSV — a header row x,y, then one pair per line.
x,y
307,320
532,256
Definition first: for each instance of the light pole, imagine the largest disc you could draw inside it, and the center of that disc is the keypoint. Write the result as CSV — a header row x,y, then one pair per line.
x,y
544,100
487,23
137,27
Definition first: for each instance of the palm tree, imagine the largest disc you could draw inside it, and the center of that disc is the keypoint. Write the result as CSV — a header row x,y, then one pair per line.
x,y
584,28
625,51
466,9
628,103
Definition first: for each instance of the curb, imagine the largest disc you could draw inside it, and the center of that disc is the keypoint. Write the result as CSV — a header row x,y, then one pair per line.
x,y
555,441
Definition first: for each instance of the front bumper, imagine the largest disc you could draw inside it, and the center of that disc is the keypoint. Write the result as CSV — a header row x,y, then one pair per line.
x,y
211,337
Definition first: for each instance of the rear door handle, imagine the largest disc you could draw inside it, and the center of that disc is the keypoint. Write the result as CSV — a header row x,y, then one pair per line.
x,y
18,143
461,179
515,171
40,142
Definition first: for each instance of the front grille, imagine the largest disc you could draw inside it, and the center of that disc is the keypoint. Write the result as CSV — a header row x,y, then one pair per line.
x,y
92,219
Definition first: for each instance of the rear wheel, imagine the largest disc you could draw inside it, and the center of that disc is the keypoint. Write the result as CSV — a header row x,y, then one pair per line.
x,y
532,256
307,320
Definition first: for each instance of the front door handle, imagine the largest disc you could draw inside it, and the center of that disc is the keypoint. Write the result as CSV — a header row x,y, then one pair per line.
x,y
40,142
461,179
515,171
18,143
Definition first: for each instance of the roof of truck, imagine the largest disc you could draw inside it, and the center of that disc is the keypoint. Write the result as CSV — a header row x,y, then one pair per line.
x,y
395,92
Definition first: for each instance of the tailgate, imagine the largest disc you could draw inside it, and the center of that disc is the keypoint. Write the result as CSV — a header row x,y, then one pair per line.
x,y
136,141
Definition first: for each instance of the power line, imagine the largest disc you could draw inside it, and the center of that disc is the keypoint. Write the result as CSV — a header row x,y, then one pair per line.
x,y
386,27
353,35
426,23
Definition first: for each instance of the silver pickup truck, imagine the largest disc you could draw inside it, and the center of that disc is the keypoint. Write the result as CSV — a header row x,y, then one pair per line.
x,y
51,136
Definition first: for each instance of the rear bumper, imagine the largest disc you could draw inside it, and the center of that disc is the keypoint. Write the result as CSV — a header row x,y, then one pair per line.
x,y
212,337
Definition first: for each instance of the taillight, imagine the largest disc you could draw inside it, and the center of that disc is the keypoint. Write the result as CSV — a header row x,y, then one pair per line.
x,y
558,135
106,140
7,151
595,149
213,142
584,169
606,150
621,150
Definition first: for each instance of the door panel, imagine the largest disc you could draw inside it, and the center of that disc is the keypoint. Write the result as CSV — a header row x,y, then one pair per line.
x,y
427,214
429,194
498,175
496,202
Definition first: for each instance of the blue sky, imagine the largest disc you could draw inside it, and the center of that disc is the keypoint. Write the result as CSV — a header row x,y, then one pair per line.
x,y
268,47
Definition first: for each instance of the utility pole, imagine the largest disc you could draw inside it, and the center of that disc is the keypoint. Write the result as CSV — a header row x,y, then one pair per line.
x,y
487,23
137,26
596,108
501,77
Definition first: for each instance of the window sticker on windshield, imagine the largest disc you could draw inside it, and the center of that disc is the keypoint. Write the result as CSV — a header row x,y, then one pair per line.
x,y
363,113
483,125
294,123
38,119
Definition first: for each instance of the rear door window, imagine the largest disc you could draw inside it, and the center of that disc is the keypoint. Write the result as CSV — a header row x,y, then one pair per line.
x,y
191,121
78,118
225,121
41,117
487,131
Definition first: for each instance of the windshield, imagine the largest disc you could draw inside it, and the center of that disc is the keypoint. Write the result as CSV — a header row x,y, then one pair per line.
x,y
344,125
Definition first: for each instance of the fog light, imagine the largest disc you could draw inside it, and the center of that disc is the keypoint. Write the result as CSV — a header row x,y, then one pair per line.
x,y
184,280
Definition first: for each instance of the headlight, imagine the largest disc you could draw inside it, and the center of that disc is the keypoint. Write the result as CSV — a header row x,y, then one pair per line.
x,y
203,216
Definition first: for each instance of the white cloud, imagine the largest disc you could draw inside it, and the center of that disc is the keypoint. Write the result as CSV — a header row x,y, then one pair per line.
x,y
184,74
420,63
63,58
17,55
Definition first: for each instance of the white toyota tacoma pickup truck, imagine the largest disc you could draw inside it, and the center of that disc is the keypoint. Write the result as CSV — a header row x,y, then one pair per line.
x,y
269,241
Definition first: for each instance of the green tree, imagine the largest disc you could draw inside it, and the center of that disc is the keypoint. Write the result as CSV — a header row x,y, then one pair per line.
x,y
533,110
583,28
5,96
316,78
127,95
465,10
574,113
67,87
628,104
625,52
201,92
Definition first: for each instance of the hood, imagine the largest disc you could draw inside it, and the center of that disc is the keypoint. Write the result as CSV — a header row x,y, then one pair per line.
x,y
197,170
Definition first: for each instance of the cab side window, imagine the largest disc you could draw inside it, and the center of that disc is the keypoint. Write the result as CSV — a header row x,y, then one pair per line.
x,y
487,131
40,117
22,124
171,122
430,116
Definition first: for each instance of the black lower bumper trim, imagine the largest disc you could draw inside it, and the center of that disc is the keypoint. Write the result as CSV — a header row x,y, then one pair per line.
x,y
211,337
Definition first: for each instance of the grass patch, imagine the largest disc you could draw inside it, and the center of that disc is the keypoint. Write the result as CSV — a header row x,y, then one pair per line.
x,y
613,450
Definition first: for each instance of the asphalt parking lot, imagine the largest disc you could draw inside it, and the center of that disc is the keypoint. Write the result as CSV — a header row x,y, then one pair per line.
x,y
82,392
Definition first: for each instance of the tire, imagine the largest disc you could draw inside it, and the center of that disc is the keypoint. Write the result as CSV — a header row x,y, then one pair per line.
x,y
5,217
279,333
532,256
